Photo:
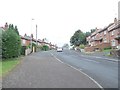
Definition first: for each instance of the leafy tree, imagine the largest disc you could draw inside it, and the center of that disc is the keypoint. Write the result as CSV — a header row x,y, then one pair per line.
x,y
78,38
92,30
16,30
66,45
1,42
87,34
11,44
11,27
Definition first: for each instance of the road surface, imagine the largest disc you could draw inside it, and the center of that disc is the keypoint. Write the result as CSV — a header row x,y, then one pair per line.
x,y
104,71
67,69
43,70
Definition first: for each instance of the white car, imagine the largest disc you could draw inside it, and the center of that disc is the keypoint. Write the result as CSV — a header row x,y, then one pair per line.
x,y
59,49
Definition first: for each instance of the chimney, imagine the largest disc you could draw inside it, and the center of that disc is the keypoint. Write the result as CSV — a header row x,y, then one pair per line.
x,y
31,35
6,26
115,21
25,35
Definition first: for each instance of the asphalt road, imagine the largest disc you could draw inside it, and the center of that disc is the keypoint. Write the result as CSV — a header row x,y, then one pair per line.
x,y
44,70
103,71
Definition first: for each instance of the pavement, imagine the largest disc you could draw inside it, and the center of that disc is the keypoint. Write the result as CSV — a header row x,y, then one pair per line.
x,y
104,55
44,70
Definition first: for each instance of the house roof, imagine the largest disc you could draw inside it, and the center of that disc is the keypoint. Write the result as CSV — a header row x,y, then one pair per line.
x,y
105,28
115,27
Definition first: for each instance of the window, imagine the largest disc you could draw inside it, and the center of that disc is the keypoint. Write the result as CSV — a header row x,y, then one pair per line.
x,y
23,41
105,40
100,34
93,37
112,33
104,32
113,42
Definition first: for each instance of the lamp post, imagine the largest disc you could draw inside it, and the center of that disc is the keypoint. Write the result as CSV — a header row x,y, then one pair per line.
x,y
31,34
36,35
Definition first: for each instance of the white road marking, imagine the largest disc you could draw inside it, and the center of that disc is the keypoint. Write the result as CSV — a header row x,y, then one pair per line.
x,y
116,60
56,58
80,71
91,60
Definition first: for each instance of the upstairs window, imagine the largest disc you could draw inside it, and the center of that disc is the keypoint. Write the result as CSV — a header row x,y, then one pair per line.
x,y
104,32
112,33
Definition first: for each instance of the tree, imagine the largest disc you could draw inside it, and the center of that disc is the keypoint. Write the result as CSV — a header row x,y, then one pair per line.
x,y
66,45
87,34
11,44
1,31
16,30
92,30
78,38
11,27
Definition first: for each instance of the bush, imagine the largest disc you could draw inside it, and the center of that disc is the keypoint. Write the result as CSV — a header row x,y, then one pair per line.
x,y
82,46
45,47
23,50
11,44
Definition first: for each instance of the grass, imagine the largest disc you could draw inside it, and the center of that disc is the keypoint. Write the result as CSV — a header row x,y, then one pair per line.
x,y
107,50
7,65
0,68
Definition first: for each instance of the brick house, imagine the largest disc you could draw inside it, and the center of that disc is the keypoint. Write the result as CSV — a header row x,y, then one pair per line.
x,y
107,37
114,34
26,40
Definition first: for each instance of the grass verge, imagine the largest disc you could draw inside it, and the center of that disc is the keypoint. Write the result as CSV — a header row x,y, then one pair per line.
x,y
0,68
107,50
7,65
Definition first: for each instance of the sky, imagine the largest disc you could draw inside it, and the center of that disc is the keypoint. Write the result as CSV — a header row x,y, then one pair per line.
x,y
57,20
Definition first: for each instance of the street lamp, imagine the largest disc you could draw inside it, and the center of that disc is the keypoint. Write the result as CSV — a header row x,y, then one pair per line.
x,y
31,33
36,34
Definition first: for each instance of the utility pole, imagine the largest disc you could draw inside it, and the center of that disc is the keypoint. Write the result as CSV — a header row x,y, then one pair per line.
x,y
31,33
36,34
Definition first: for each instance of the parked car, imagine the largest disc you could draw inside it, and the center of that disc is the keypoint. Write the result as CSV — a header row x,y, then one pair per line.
x,y
59,49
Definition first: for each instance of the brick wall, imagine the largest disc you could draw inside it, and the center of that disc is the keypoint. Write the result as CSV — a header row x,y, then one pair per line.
x,y
97,47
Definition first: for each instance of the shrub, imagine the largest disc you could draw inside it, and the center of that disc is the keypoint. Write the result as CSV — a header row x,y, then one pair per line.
x,y
82,46
23,50
45,47
11,44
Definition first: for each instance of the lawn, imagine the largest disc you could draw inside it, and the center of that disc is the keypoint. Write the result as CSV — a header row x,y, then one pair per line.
x,y
107,50
8,65
0,68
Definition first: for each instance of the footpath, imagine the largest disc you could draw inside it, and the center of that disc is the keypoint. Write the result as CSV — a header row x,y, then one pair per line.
x,y
102,55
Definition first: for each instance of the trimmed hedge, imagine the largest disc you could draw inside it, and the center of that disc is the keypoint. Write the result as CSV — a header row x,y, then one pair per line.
x,y
45,47
11,44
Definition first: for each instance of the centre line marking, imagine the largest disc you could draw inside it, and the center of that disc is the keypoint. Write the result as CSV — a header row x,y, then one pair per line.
x,y
80,71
